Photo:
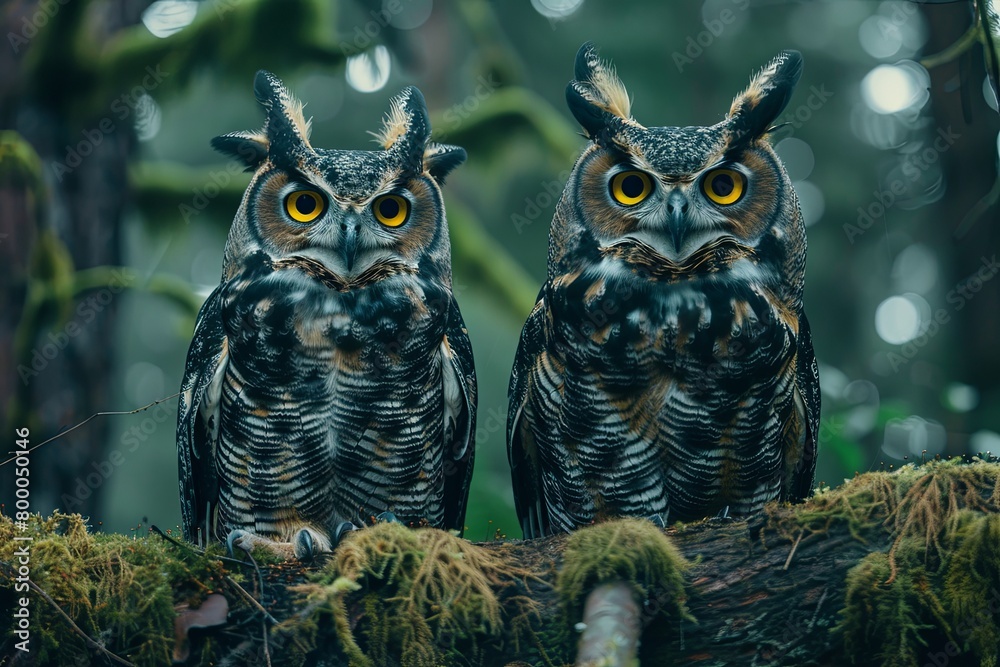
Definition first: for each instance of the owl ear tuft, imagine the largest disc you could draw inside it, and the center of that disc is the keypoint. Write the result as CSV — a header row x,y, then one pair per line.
x,y
406,127
597,98
756,108
285,120
440,159
250,148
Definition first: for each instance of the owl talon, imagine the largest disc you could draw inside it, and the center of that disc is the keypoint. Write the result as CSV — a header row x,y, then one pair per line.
x,y
343,529
309,543
723,515
657,520
235,539
306,544
387,517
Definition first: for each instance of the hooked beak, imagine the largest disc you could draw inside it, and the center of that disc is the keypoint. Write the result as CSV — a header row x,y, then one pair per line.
x,y
677,208
349,242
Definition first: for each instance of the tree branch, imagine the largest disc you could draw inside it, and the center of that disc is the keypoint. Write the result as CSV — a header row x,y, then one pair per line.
x,y
805,584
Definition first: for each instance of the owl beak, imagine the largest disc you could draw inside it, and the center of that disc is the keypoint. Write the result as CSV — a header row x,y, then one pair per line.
x,y
677,208
349,242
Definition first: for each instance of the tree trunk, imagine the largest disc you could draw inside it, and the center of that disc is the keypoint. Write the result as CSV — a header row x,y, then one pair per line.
x,y
897,568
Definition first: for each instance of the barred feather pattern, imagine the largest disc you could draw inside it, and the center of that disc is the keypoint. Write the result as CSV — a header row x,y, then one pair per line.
x,y
331,404
646,399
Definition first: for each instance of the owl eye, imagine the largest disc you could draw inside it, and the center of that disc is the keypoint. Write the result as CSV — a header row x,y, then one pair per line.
x,y
724,186
630,187
304,205
391,210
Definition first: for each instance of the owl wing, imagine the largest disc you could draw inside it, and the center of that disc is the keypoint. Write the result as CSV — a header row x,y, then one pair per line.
x,y
800,482
198,421
522,451
459,378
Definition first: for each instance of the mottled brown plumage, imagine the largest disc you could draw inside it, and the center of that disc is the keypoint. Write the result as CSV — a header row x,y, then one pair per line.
x,y
667,369
330,379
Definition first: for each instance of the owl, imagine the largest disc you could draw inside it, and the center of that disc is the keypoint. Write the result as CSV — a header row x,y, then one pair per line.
x,y
667,370
330,379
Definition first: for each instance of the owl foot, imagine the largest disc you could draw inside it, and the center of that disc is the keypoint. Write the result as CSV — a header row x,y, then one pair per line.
x,y
305,545
723,515
657,520
344,529
387,517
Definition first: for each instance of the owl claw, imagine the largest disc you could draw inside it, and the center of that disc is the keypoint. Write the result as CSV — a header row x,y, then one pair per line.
x,y
309,543
235,539
246,541
657,520
723,514
387,517
343,529
306,544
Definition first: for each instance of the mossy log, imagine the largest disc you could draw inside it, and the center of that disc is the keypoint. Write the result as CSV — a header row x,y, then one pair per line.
x,y
892,568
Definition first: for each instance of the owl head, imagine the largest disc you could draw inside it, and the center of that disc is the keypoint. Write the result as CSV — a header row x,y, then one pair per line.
x,y
678,192
341,211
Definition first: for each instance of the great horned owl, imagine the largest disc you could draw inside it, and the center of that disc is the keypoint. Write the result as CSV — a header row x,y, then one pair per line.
x,y
330,378
667,366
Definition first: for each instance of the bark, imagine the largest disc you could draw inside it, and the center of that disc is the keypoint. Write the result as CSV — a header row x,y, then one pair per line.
x,y
887,570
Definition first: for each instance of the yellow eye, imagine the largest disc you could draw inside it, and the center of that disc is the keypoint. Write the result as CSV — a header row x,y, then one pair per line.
x,y
304,205
391,210
724,186
630,187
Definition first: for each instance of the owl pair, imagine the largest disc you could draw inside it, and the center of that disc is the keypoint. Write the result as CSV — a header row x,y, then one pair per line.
x,y
666,370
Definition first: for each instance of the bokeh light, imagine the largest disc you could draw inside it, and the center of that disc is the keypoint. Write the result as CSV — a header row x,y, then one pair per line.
x,y
893,88
811,201
961,397
144,383
897,320
797,156
148,117
556,9
165,17
413,13
368,72
915,269
913,437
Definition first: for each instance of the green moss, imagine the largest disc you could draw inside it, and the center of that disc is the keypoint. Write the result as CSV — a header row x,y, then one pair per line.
x,y
971,588
429,596
938,585
914,501
119,590
633,551
885,621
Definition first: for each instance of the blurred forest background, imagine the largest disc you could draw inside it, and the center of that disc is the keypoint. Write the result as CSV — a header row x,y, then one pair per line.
x,y
114,210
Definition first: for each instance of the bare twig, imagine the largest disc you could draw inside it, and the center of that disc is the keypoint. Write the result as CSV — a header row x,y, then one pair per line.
x,y
788,561
249,598
88,640
111,413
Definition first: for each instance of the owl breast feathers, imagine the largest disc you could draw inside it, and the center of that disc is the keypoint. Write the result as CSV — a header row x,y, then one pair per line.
x,y
667,369
330,379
